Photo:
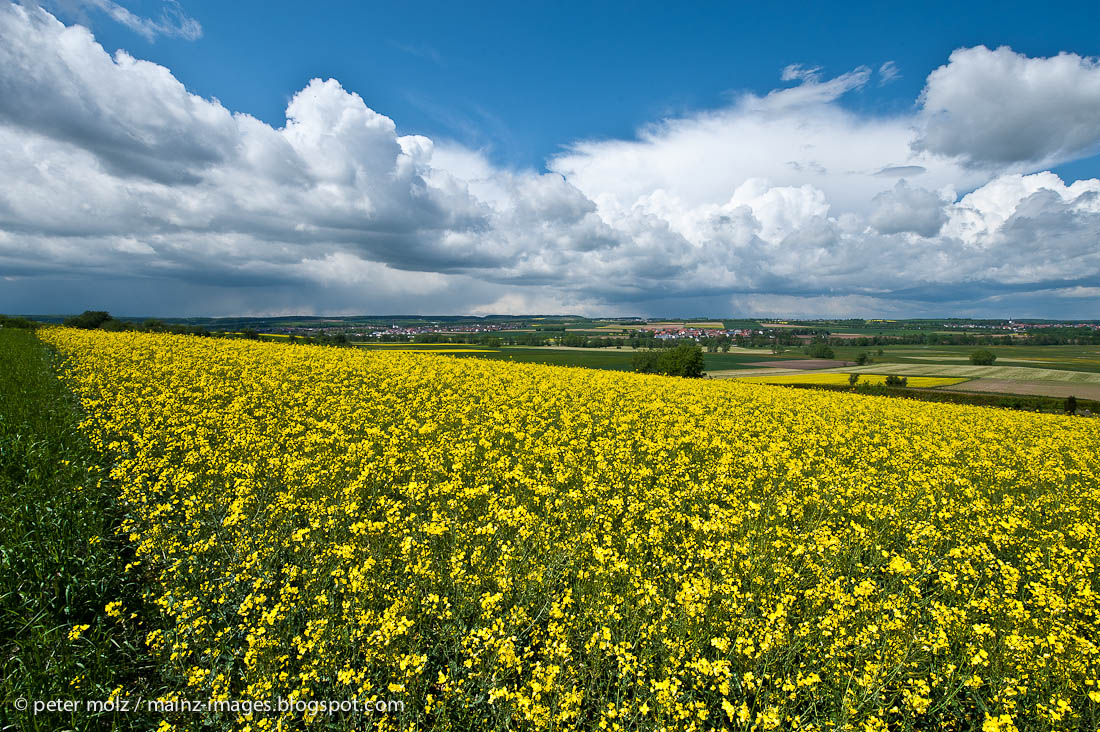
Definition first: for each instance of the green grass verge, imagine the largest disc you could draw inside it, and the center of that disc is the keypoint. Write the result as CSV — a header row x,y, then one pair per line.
x,y
61,559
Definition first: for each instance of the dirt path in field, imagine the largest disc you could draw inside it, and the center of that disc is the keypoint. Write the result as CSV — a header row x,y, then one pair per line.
x,y
1037,388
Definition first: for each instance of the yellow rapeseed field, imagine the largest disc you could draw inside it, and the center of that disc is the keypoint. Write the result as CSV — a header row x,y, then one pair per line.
x,y
841,379
502,545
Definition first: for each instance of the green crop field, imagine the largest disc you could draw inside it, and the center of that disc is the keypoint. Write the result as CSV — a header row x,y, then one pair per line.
x,y
1064,358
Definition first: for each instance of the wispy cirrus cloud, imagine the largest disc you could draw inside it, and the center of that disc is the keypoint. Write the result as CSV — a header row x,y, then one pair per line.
x,y
173,22
420,50
888,72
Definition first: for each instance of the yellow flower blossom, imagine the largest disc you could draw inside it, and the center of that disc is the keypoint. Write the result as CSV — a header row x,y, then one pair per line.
x,y
566,548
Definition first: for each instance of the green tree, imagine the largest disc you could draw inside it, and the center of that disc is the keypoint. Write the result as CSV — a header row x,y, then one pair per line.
x,y
644,362
89,319
983,358
685,360
852,379
820,350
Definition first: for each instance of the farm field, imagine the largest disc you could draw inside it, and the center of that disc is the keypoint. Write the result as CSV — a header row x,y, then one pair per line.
x,y
507,545
1030,372
413,348
841,379
612,359
1081,390
1063,358
801,364
739,373
992,372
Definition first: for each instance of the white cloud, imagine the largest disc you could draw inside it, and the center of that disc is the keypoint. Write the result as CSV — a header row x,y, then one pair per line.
x,y
173,22
908,209
821,306
888,72
781,203
1001,108
798,72
790,137
534,303
133,115
343,269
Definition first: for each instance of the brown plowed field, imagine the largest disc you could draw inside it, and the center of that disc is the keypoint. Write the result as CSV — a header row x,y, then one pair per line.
x,y
802,364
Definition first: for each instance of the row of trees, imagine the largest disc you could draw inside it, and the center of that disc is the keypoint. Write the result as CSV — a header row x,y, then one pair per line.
x,y
7,321
102,320
1062,337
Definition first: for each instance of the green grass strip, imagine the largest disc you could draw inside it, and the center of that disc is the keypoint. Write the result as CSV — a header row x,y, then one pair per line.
x,y
62,560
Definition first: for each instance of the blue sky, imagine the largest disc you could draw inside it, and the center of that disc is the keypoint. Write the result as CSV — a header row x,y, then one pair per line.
x,y
876,160
523,79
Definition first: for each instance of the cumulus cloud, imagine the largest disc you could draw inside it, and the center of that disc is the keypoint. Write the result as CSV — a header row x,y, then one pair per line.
x,y
794,136
908,209
119,180
998,107
133,115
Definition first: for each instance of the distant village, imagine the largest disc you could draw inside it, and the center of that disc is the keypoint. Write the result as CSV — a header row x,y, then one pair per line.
x,y
662,331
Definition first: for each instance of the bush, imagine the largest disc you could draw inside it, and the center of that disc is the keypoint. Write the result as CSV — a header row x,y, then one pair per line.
x,y
852,379
863,359
983,358
820,350
892,380
1071,405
